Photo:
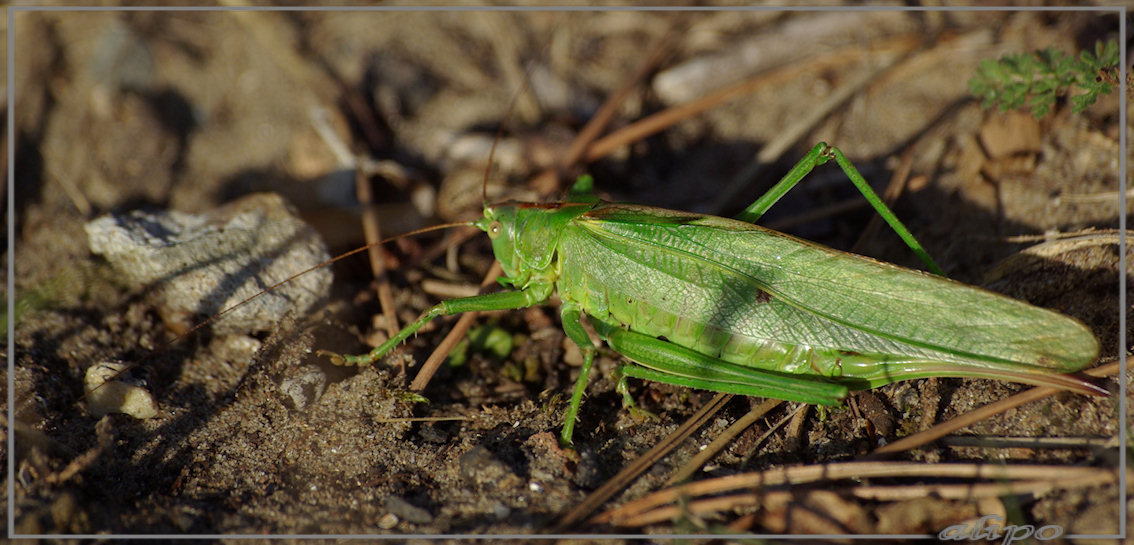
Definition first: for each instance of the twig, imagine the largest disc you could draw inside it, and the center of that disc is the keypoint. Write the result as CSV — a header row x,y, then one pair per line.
x,y
630,472
370,223
462,326
720,504
791,135
723,440
547,182
799,475
373,233
775,427
972,417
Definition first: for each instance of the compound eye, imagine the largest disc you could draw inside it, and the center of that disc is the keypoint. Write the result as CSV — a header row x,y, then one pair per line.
x,y
494,229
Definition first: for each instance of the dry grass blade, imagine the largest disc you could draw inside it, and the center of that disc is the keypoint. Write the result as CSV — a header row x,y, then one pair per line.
x,y
670,116
448,290
655,507
818,213
630,472
370,228
969,418
422,419
364,168
506,48
548,182
985,441
875,493
104,432
723,440
791,135
454,238
1090,231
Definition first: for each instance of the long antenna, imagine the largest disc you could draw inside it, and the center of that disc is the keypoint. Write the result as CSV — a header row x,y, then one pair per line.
x,y
524,86
339,257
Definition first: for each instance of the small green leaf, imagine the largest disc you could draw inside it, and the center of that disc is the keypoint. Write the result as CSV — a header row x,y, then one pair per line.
x,y
491,340
583,190
411,397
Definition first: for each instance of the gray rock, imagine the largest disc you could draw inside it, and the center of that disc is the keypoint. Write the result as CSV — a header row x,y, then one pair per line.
x,y
205,263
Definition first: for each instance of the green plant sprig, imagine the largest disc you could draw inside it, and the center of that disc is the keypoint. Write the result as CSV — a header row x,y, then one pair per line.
x,y
1037,79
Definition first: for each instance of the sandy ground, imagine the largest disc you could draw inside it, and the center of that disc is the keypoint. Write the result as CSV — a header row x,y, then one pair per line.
x,y
188,111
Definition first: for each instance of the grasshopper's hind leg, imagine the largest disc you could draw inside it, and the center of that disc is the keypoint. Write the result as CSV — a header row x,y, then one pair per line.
x,y
663,361
818,155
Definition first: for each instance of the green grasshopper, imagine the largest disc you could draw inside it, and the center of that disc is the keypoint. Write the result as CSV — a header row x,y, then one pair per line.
x,y
725,305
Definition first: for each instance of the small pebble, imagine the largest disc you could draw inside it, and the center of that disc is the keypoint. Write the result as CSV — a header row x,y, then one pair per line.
x,y
404,509
107,394
388,521
303,386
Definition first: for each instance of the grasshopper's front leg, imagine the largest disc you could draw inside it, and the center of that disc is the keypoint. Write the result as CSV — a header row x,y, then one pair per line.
x,y
505,300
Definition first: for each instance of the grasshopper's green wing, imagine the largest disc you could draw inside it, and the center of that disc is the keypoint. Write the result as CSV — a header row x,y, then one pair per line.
x,y
833,310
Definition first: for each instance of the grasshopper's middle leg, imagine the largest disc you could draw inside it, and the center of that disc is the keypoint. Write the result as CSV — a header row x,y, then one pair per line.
x,y
818,155
570,314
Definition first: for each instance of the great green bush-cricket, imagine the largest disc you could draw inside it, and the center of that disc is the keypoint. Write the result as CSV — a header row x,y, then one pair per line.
x,y
725,305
